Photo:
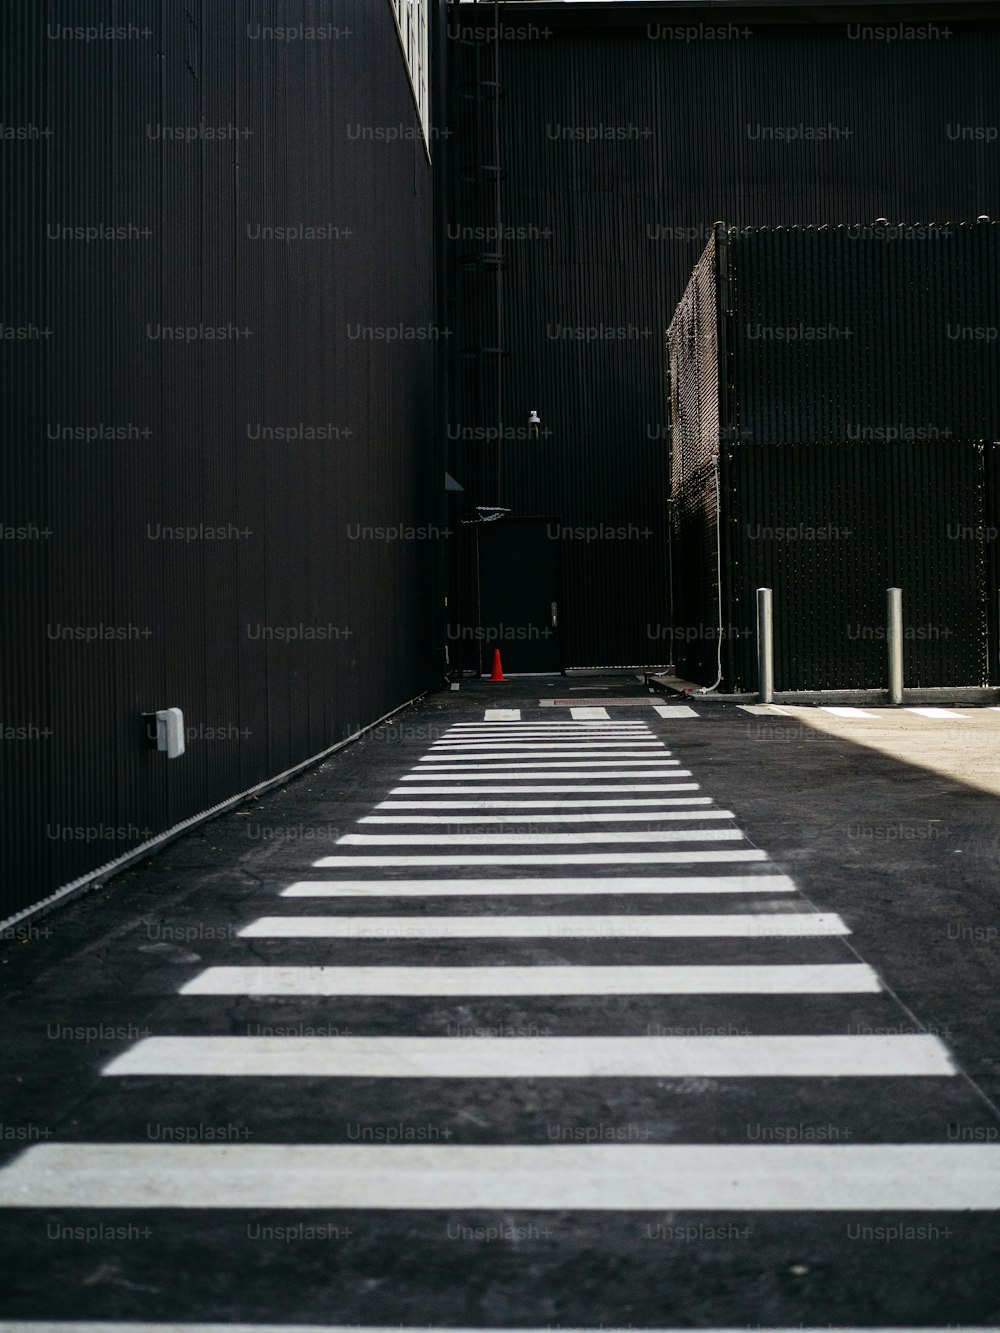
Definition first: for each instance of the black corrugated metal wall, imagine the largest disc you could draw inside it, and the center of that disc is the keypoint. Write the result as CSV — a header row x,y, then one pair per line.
x,y
160,549
622,143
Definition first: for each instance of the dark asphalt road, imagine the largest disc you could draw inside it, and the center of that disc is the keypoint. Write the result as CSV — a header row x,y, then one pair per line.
x,y
143,1194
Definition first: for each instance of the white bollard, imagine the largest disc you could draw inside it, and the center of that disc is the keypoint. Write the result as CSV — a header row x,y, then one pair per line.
x,y
765,646
894,637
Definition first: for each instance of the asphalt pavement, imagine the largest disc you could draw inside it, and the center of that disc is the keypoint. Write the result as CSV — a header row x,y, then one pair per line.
x,y
548,1004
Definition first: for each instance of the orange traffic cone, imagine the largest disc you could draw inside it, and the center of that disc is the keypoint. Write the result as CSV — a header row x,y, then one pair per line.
x,y
497,668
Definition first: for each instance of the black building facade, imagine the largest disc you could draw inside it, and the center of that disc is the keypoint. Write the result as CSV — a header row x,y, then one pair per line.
x,y
255,310
219,474
621,134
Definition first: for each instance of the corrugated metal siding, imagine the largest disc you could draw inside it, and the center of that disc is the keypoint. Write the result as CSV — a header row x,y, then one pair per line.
x,y
189,610
629,219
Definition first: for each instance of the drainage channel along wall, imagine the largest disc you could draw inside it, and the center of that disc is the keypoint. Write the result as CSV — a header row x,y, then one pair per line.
x,y
835,422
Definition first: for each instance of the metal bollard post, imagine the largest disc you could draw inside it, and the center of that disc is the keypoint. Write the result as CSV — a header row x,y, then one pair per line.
x,y
765,646
894,636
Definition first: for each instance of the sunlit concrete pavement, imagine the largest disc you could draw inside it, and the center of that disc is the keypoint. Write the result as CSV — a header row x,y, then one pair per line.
x,y
608,1014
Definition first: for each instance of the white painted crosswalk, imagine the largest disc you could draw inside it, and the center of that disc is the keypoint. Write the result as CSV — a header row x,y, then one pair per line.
x,y
129,1326
494,789
556,817
604,926
415,860
640,802
575,868
602,1177
714,710
633,979
551,884
475,753
536,839
645,761
659,768
536,1057
498,744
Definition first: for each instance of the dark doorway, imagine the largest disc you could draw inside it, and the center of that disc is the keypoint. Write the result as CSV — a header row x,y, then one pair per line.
x,y
520,595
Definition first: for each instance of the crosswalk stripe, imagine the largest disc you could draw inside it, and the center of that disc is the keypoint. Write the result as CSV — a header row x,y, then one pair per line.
x,y
547,789
375,982
743,926
502,714
554,817
660,771
552,724
533,839
545,859
581,737
848,712
569,730
129,1326
949,713
762,710
512,773
593,728
600,753
911,1056
588,714
631,701
641,763
458,888
502,748
631,803
601,1177
670,711
506,737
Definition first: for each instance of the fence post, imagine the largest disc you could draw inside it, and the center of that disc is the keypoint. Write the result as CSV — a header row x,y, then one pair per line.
x,y
894,618
765,646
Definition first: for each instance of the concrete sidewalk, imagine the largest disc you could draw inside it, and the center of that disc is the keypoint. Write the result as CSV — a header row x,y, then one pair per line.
x,y
604,1013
